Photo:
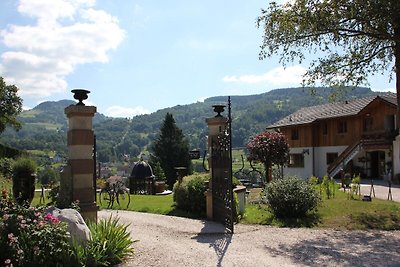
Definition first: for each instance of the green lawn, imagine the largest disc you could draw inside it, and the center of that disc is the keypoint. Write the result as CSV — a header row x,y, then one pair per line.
x,y
142,203
336,213
38,201
158,204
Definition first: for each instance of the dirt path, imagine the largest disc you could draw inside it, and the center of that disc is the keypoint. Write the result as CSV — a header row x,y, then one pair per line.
x,y
175,241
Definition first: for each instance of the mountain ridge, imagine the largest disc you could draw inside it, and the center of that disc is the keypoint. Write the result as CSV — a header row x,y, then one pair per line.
x,y
45,126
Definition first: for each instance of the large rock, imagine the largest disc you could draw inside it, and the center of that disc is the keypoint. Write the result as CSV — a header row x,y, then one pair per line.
x,y
76,225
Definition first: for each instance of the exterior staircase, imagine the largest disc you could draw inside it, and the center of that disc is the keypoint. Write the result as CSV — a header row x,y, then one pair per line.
x,y
351,151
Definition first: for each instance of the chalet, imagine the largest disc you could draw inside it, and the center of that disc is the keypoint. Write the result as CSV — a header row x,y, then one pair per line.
x,y
355,136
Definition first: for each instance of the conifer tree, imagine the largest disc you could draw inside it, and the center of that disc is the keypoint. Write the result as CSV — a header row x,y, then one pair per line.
x,y
171,148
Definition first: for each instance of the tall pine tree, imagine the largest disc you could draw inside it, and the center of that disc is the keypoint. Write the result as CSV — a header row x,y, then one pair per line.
x,y
171,149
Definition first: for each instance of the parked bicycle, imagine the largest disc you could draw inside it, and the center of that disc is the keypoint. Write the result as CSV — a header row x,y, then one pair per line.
x,y
113,192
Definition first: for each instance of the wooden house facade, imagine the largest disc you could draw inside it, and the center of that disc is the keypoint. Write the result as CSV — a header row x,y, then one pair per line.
x,y
354,136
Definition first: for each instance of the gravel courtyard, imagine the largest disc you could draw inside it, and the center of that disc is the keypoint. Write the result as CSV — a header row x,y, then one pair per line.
x,y
174,241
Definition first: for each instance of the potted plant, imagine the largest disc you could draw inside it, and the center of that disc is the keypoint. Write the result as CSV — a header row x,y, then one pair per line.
x,y
160,179
159,186
24,176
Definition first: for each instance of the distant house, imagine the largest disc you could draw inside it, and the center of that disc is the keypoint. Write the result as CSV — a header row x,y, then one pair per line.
x,y
56,159
105,172
356,136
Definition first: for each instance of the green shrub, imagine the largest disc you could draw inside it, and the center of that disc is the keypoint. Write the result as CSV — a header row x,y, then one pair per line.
x,y
291,197
47,176
235,181
24,180
356,179
6,167
189,195
329,186
313,180
110,243
181,195
355,186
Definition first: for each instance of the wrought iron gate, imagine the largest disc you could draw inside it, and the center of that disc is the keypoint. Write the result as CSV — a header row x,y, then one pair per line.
x,y
222,188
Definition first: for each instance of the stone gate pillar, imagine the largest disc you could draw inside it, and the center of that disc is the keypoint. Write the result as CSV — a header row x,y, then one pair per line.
x,y
216,125
80,155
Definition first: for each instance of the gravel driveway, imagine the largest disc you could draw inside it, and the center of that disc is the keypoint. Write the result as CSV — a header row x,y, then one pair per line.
x,y
174,241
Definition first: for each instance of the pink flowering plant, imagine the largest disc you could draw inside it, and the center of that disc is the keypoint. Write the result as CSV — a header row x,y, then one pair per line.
x,y
269,148
29,237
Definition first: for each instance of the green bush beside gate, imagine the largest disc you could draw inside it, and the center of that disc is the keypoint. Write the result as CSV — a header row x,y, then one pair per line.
x,y
189,195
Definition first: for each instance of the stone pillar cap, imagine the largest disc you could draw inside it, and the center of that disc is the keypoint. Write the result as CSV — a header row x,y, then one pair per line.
x,y
80,110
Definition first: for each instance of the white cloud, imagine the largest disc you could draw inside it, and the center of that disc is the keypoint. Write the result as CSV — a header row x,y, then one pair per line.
x,y
125,112
48,12
278,76
66,33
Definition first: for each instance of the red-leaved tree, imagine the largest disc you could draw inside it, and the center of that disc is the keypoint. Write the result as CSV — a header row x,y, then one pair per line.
x,y
269,148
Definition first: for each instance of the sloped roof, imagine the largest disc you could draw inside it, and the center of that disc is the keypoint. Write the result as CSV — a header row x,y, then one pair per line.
x,y
142,170
311,114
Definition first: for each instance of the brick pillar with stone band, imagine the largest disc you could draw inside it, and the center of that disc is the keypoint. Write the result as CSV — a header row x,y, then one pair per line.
x,y
80,167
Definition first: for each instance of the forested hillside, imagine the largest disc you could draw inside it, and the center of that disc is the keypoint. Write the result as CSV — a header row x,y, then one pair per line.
x,y
45,126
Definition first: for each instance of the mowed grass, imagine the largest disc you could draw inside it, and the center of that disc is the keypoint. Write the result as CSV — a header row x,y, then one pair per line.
x,y
338,213
157,204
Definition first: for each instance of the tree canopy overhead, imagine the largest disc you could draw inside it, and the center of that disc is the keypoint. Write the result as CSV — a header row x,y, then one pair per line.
x,y
10,106
359,38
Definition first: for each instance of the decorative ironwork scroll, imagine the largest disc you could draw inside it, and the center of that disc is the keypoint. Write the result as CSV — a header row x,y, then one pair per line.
x,y
222,188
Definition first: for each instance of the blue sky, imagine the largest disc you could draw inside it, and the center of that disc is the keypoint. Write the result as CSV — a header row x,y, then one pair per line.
x,y
138,56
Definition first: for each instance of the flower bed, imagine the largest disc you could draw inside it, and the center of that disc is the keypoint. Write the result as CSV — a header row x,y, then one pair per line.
x,y
28,237
31,237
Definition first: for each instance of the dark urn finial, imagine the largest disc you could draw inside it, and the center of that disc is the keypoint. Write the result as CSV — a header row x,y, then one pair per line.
x,y
218,109
80,95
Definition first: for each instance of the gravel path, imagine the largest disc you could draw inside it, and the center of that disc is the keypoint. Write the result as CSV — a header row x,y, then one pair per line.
x,y
175,241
